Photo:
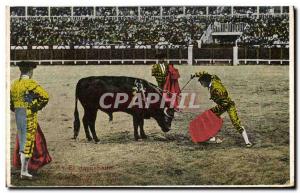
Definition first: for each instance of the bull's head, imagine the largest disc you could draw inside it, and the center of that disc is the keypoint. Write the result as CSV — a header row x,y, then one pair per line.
x,y
164,118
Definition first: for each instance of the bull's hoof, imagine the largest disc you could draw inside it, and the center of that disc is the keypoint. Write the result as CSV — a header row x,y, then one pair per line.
x,y
96,140
144,136
89,138
136,138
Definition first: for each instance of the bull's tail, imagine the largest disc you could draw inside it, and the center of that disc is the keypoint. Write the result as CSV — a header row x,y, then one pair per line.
x,y
76,123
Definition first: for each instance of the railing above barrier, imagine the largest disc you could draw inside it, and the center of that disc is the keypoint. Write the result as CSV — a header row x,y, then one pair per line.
x,y
122,61
152,61
132,55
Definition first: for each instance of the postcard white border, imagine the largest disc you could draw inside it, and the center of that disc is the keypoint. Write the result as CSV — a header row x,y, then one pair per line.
x,y
5,74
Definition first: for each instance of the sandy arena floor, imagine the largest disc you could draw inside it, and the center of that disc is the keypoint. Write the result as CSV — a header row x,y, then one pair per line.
x,y
261,94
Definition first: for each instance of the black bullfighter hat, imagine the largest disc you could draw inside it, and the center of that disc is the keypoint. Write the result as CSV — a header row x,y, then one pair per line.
x,y
27,64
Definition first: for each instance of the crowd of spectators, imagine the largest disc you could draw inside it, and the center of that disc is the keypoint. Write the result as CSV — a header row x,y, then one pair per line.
x,y
128,11
219,10
245,10
172,11
150,11
105,30
267,32
269,10
17,11
192,10
61,11
83,11
37,11
106,11
262,10
173,30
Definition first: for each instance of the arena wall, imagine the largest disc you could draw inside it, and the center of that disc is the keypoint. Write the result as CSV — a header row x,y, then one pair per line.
x,y
134,55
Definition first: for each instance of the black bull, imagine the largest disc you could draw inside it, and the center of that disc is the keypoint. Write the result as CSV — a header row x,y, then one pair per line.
x,y
90,89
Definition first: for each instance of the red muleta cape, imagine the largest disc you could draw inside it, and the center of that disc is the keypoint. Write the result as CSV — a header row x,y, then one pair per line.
x,y
40,155
171,84
205,126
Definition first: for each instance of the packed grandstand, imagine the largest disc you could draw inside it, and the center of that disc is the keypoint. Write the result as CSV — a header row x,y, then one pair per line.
x,y
153,25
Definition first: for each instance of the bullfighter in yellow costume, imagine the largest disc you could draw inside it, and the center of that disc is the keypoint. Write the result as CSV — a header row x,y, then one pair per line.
x,y
27,97
219,95
160,71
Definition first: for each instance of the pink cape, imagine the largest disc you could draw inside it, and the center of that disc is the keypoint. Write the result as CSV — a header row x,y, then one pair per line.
x,y
40,155
205,126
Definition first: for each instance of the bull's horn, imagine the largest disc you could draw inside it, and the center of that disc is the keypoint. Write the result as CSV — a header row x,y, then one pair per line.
x,y
165,112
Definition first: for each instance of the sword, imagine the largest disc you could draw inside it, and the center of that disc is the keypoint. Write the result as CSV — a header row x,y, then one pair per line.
x,y
186,84
180,89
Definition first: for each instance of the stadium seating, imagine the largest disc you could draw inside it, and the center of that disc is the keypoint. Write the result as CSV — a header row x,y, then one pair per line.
x,y
90,26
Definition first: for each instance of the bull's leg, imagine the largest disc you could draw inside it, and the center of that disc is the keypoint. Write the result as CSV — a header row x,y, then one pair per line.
x,y
86,126
135,127
142,132
92,120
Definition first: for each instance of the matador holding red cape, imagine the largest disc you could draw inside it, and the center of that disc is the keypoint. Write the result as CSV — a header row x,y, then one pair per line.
x,y
27,98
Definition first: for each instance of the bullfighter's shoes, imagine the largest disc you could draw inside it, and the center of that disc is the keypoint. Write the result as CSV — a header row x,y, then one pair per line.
x,y
215,140
249,145
245,136
26,176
